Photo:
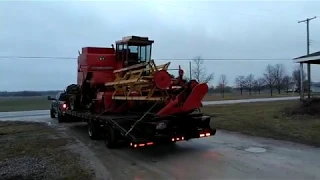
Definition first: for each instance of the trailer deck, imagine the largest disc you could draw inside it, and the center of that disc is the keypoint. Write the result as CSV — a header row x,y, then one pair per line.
x,y
136,131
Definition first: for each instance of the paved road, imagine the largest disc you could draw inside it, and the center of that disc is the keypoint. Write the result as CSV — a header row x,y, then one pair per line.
x,y
224,156
45,113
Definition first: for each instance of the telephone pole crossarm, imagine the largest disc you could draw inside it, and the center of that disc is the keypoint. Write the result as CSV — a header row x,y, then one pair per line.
x,y
308,65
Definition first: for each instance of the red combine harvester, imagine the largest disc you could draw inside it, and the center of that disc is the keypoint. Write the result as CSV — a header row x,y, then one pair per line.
x,y
123,95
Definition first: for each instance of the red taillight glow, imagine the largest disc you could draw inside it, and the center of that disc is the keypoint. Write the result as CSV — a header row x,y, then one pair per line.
x,y
64,106
150,143
177,139
142,144
205,134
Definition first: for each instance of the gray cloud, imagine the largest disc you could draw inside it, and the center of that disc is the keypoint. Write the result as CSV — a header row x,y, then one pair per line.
x,y
180,30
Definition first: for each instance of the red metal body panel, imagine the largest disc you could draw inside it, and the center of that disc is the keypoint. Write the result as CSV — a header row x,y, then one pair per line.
x,y
100,64
100,61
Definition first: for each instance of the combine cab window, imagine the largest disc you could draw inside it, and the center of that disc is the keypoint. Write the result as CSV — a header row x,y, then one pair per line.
x,y
140,53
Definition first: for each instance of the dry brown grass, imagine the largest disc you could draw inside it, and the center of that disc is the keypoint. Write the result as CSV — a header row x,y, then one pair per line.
x,y
267,119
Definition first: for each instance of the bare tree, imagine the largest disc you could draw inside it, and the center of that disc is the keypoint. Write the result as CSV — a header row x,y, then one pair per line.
x,y
240,82
249,82
269,78
223,83
199,71
278,73
260,83
296,77
287,80
255,86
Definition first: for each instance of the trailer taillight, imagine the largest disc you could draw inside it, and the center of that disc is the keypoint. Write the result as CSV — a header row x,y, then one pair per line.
x,y
177,139
141,144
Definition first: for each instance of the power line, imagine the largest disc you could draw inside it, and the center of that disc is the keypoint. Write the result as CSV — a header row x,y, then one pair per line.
x,y
162,59
34,57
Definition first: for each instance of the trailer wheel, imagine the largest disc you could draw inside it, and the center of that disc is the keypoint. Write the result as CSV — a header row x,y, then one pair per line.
x,y
111,138
93,130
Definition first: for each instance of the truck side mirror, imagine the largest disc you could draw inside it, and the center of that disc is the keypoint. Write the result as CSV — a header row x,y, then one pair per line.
x,y
50,98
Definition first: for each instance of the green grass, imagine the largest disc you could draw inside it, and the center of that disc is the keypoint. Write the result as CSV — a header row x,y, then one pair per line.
x,y
267,119
41,144
8,104
24,103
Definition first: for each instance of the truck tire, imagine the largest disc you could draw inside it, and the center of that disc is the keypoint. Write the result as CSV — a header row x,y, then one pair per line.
x,y
60,118
111,138
93,130
52,115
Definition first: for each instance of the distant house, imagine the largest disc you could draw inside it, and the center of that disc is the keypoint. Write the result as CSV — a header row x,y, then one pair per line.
x,y
315,87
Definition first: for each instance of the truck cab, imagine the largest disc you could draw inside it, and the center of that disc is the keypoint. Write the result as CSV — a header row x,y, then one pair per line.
x,y
133,50
58,105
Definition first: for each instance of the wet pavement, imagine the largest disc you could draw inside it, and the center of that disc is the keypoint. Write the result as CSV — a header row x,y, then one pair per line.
x,y
248,100
224,156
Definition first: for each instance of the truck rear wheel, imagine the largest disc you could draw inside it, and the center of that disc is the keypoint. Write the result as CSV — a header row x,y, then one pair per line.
x,y
93,130
61,118
111,138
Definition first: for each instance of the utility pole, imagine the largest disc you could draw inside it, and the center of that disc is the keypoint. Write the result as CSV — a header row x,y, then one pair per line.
x,y
308,65
190,70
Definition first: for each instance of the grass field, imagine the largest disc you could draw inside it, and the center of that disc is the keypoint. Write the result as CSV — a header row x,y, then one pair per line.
x,y
36,151
267,119
41,103
24,103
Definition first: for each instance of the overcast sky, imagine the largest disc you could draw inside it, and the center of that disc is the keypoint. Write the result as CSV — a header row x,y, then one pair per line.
x,y
181,29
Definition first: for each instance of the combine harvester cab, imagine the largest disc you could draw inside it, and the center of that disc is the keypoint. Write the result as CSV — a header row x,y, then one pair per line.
x,y
124,90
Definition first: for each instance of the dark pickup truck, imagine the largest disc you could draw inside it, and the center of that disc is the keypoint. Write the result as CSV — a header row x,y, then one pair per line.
x,y
58,105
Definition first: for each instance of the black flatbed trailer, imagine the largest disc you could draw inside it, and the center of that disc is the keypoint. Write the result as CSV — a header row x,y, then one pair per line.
x,y
142,129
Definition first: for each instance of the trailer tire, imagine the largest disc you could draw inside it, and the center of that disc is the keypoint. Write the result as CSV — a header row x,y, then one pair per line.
x,y
93,130
111,138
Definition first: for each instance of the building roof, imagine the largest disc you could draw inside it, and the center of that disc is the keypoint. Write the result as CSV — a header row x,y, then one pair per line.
x,y
316,84
313,58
